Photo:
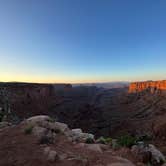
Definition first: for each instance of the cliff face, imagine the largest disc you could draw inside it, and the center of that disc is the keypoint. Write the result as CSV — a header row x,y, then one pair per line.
x,y
151,86
28,99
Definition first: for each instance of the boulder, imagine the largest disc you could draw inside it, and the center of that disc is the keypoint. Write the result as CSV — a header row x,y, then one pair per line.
x,y
157,156
46,122
148,153
62,127
141,154
38,120
78,135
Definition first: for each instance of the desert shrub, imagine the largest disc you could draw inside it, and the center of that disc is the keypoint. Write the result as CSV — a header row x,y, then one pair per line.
x,y
126,141
28,129
89,140
103,140
52,120
114,144
108,140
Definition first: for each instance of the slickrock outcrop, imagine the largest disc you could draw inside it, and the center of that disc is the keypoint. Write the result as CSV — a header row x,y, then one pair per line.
x,y
152,86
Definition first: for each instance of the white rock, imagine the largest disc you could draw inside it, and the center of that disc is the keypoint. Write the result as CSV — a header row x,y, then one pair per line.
x,y
78,135
61,126
87,135
76,131
156,154
52,155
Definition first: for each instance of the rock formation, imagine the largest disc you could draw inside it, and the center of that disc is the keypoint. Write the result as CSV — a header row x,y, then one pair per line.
x,y
151,86
28,99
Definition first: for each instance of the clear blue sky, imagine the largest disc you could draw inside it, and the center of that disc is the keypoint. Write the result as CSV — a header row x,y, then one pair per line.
x,y
82,40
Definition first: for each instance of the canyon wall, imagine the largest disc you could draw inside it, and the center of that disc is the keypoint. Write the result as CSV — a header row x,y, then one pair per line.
x,y
151,86
28,99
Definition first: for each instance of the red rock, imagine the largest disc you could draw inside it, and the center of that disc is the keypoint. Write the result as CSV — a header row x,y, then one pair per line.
x,y
152,86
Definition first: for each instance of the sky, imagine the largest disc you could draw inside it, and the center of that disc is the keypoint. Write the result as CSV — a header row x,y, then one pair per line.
x,y
77,41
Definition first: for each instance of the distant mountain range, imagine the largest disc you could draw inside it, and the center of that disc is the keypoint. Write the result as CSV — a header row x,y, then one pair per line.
x,y
107,85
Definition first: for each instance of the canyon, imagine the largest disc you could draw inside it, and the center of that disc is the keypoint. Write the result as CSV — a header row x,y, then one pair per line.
x,y
138,110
